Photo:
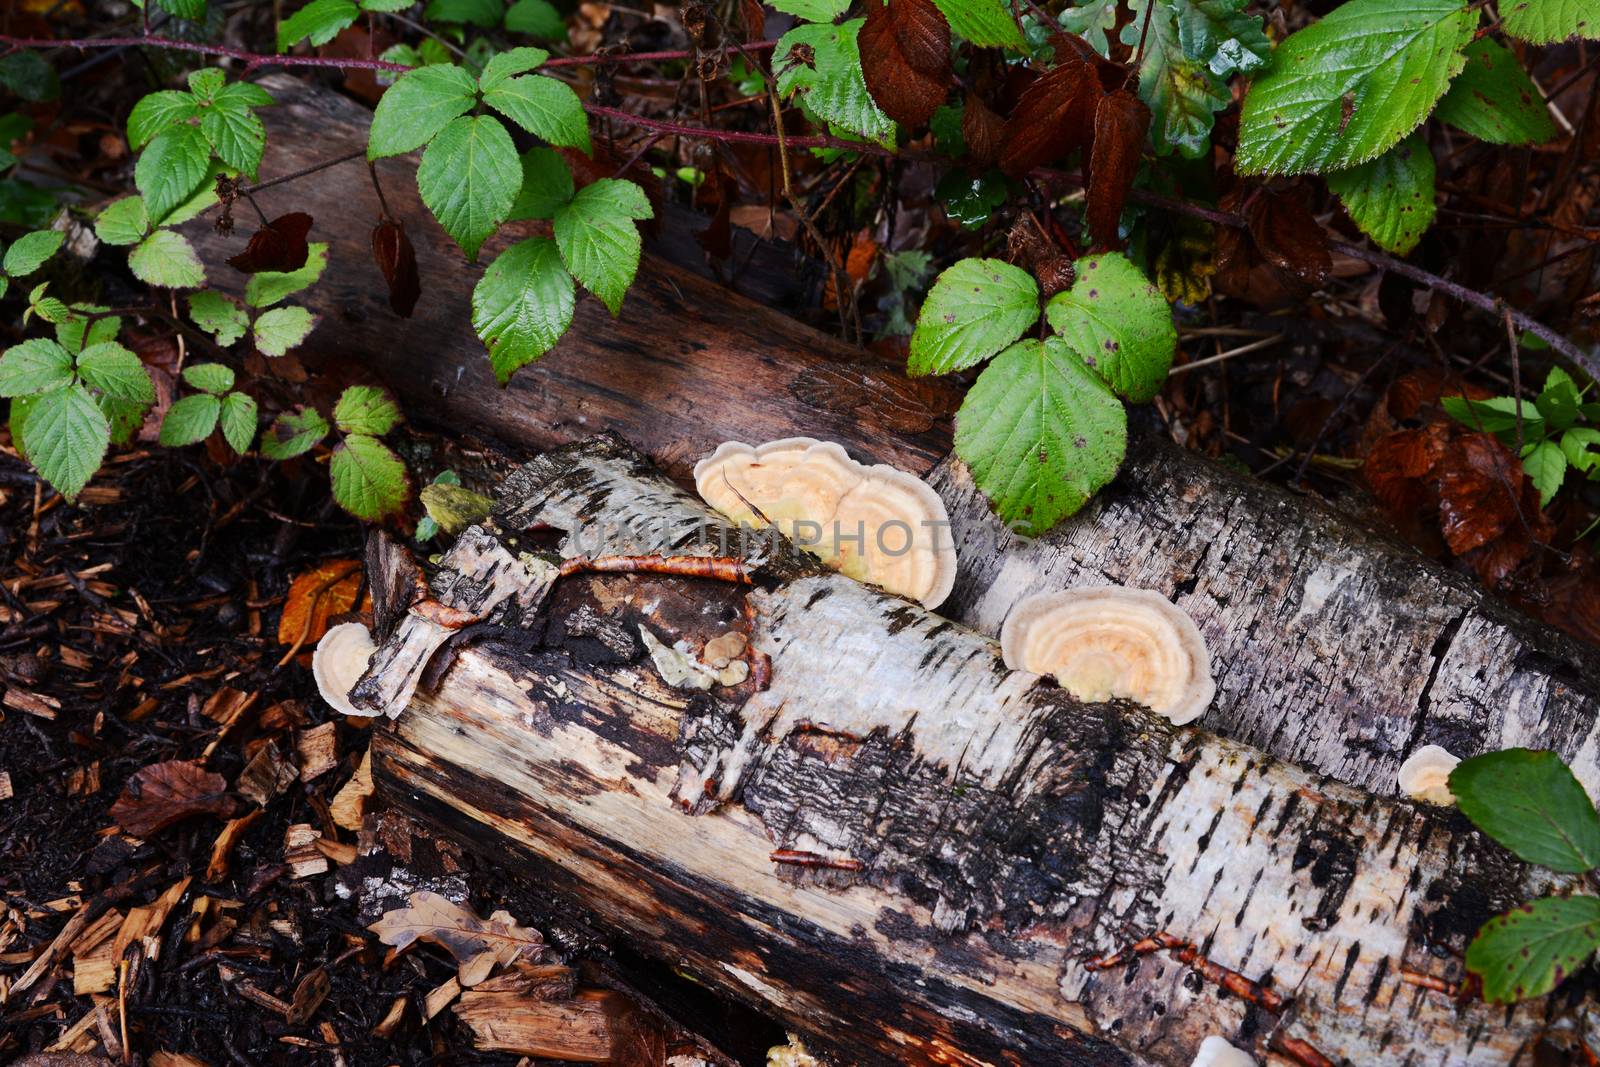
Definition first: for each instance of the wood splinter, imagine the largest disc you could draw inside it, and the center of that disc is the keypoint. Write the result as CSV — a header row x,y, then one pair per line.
x,y
720,568
1187,954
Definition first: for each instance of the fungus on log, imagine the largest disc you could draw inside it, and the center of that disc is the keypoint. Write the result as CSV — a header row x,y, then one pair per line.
x,y
910,853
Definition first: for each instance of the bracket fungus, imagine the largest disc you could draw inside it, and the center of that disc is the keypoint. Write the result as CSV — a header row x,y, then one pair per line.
x,y
341,657
876,524
1109,641
1425,775
1215,1052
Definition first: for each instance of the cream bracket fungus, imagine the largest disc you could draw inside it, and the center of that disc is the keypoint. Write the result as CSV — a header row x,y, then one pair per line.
x,y
1215,1052
875,524
340,659
1108,641
1425,775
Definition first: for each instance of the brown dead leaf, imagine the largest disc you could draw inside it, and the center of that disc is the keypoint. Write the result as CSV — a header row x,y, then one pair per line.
x,y
397,259
1053,118
1478,479
164,793
279,245
982,129
905,58
1120,122
314,596
477,944
1289,237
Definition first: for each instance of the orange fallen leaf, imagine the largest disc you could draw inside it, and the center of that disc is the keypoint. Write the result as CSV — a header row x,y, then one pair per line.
x,y
315,596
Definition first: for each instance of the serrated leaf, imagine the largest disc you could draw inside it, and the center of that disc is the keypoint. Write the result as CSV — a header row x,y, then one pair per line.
x,y
536,18
123,417
905,58
1349,87
190,420
320,20
975,309
1091,20
1041,434
469,179
29,252
1183,94
203,197
1220,34
34,366
237,135
238,95
599,238
813,10
1530,950
1530,802
219,316
1497,415
167,259
281,329
214,378
369,481
986,23
1118,323
831,82
268,287
417,106
117,373
77,331
123,222
1549,21
1546,466
172,168
30,76
523,304
513,61
545,107
192,10
65,437
386,6
205,82
546,185
237,418
1494,99
1581,445
484,13
294,433
1390,198
366,409
156,111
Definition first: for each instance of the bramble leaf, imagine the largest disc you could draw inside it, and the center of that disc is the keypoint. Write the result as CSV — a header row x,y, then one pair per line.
x,y
484,13
34,366
1494,99
123,222
417,106
1530,950
536,18
813,10
1546,466
156,111
599,238
117,373
172,168
985,23
1549,21
320,20
189,420
214,378
513,61
469,179
218,315
167,259
238,421
1118,323
829,80
1390,198
268,287
65,437
543,106
293,433
29,252
523,304
366,409
236,134
369,481
280,329
546,185
976,308
1530,802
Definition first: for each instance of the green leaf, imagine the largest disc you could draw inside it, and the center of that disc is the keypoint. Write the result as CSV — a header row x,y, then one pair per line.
x,y
267,288
30,76
366,409
515,61
183,9
65,438
1558,401
320,20
205,82
1347,88
813,10
237,135
1221,35
1092,20
985,23
239,95
976,308
123,417
546,185
386,6
157,111
34,366
1530,802
281,329
76,332
30,251
1579,444
218,315
214,378
1182,93
1546,465
1549,21
293,433
1041,434
203,197
167,259
123,222
369,481
1494,99
545,107
538,19
238,420
523,304
599,238
190,420
117,373
13,128
831,83
484,13
1496,415
417,106
469,179
1390,198
172,168
1530,950
1118,323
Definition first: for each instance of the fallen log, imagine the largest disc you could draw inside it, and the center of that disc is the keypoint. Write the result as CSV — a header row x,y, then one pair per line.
x,y
912,855
1333,647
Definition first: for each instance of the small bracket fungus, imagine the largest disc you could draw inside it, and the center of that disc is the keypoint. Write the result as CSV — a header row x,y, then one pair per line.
x,y
1215,1052
1425,775
875,524
341,657
1108,642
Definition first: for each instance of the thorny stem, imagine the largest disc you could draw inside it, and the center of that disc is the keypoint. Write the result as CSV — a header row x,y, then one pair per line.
x,y
383,203
1138,56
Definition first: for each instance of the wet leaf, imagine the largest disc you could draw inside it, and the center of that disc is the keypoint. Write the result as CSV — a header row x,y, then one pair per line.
x,y
1390,198
477,944
905,58
982,130
397,259
328,590
1530,950
165,793
1120,122
280,246
1289,237
1053,118
1530,802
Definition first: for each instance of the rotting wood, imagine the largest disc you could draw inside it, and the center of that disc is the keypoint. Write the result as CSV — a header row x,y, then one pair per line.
x,y
1333,647
1003,875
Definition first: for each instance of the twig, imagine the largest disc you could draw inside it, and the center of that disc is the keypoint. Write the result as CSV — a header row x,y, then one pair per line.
x,y
1265,342
722,568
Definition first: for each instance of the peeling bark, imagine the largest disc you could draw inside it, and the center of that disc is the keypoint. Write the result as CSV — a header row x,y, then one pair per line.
x,y
912,854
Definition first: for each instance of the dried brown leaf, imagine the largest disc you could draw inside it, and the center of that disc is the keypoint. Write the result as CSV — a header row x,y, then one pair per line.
x,y
330,589
1479,487
1053,118
905,58
279,245
1289,237
164,793
983,130
1120,122
477,944
397,259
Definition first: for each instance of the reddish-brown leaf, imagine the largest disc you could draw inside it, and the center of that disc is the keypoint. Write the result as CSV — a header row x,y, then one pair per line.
x,y
1056,274
1479,487
164,793
1120,122
982,129
1395,466
1053,118
398,262
280,245
1289,237
755,19
905,58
